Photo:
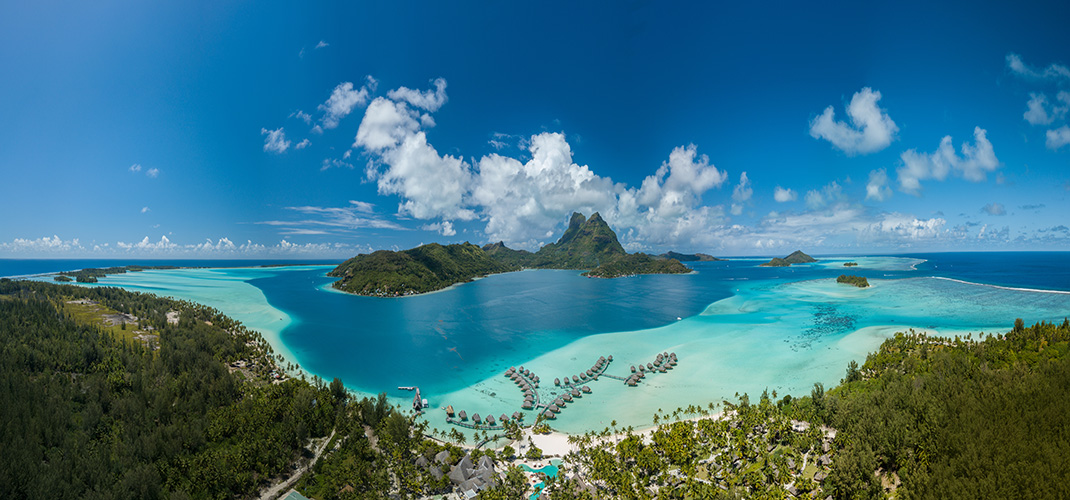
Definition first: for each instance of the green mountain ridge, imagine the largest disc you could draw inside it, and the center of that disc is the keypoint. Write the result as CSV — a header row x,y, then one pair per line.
x,y
423,269
587,244
685,257
796,257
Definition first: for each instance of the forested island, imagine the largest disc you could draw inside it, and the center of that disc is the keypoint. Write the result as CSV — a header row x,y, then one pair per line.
x,y
422,269
637,263
587,244
796,257
91,274
685,257
859,281
850,264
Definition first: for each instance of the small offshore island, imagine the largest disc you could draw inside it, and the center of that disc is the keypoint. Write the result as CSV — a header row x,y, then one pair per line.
x,y
587,244
859,281
796,257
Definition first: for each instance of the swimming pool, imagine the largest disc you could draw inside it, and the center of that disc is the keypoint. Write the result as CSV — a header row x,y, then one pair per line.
x,y
550,470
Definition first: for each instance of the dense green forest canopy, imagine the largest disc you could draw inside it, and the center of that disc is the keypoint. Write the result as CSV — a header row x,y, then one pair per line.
x,y
637,263
859,281
422,269
89,416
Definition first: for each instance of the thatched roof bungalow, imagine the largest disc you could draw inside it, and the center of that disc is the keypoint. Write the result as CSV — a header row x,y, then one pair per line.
x,y
586,389
449,411
463,415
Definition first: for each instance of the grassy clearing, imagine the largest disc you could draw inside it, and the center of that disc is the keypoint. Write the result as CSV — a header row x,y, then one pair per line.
x,y
102,316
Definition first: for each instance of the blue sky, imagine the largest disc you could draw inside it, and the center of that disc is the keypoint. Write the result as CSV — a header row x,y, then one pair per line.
x,y
153,129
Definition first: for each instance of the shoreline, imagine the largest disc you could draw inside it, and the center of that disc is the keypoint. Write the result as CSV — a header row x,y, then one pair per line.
x,y
586,414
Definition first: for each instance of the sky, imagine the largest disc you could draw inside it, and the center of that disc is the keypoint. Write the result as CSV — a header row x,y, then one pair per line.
x,y
322,130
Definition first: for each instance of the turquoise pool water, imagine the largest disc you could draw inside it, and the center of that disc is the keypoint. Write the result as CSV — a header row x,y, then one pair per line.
x,y
549,470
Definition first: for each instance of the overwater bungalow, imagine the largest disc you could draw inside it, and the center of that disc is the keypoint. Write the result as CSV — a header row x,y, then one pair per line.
x,y
583,376
631,382
575,393
610,357
475,418
521,368
575,379
642,368
463,415
554,408
490,419
549,414
503,418
586,389
559,402
590,372
517,415
633,368
526,405
449,411
568,398
557,381
649,366
661,369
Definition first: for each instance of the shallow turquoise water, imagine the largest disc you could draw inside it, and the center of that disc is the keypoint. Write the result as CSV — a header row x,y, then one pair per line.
x,y
742,329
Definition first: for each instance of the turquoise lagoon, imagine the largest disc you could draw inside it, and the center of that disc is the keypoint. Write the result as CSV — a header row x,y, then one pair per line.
x,y
741,328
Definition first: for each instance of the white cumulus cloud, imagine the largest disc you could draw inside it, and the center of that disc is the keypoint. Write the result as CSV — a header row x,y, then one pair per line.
x,y
741,194
877,187
429,100
1058,138
973,165
783,195
870,130
135,167
1053,71
343,99
994,209
275,142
